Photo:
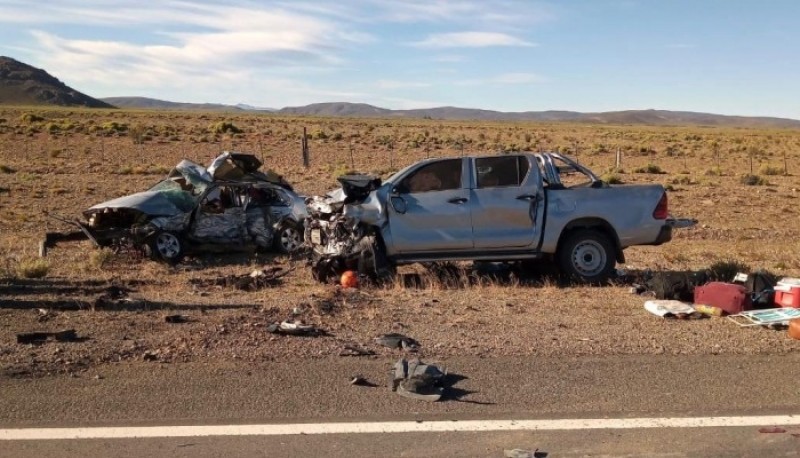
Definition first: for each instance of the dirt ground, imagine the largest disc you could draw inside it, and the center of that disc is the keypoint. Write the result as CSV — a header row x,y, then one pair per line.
x,y
118,303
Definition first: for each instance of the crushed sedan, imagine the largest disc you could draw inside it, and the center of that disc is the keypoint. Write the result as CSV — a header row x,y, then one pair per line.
x,y
230,204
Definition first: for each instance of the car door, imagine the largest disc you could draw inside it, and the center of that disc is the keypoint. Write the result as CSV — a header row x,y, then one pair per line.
x,y
506,201
220,218
429,209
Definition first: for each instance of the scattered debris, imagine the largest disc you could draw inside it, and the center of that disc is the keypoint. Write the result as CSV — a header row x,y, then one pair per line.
x,y
349,279
358,380
417,380
44,315
520,453
396,340
669,308
352,350
174,319
254,281
111,296
709,310
40,337
294,328
765,317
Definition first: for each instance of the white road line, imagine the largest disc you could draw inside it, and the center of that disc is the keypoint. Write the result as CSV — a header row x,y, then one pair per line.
x,y
123,432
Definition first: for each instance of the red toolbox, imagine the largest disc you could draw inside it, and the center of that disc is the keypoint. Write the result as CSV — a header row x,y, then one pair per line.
x,y
787,293
730,297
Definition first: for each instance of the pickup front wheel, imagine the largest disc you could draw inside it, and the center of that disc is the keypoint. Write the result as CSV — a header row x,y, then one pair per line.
x,y
587,256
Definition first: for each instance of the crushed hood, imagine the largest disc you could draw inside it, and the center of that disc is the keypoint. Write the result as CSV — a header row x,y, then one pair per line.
x,y
154,203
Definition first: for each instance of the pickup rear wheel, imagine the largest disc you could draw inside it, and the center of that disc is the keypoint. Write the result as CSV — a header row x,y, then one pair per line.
x,y
587,256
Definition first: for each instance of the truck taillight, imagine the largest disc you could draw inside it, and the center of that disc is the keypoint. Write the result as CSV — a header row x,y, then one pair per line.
x,y
662,209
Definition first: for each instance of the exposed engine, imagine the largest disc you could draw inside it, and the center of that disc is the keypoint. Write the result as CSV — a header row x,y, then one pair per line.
x,y
338,240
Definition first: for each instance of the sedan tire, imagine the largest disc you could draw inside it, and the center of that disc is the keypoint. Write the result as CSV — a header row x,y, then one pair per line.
x,y
288,238
166,246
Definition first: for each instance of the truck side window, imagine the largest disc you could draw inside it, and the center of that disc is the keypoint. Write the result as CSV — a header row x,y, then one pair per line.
x,y
501,171
437,176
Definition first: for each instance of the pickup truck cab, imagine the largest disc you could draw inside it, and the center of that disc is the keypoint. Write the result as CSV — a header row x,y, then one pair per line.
x,y
509,207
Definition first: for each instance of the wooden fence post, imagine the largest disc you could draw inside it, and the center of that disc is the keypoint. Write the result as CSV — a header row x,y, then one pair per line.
x,y
304,145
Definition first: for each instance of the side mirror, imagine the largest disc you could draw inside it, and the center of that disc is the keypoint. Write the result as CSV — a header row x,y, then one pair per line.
x,y
399,204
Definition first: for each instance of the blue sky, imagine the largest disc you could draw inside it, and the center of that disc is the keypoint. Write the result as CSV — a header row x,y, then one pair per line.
x,y
721,56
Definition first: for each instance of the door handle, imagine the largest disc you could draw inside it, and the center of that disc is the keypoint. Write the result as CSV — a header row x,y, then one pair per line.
x,y
527,197
457,200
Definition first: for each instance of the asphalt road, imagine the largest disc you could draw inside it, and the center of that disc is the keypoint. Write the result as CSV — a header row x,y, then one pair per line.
x,y
480,388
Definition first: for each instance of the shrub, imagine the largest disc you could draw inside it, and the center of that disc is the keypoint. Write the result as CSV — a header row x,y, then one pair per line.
x,y
31,118
767,169
138,134
752,180
727,269
114,127
650,168
611,178
224,127
6,169
715,171
32,268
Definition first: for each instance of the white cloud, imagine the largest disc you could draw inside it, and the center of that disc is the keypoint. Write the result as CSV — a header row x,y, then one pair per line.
x,y
394,84
450,58
503,79
517,78
462,11
471,40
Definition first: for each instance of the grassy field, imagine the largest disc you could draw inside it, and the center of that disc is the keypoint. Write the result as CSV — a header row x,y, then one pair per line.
x,y
741,184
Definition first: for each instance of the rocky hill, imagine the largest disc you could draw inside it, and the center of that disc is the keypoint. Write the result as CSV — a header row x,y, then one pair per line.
x,y
21,84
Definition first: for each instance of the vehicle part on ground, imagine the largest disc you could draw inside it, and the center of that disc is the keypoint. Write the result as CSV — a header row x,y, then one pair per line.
x,y
417,380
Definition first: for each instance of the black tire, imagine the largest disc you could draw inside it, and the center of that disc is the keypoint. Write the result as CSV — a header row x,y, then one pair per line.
x,y
587,256
288,237
166,246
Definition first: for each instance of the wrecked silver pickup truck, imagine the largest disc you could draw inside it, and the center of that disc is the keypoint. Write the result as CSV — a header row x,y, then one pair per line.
x,y
229,204
514,207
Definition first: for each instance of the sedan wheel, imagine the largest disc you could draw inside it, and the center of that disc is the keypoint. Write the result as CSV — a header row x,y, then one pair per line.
x,y
288,238
167,246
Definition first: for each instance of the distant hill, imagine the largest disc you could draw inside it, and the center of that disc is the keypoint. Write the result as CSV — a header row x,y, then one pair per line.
x,y
21,84
638,117
156,104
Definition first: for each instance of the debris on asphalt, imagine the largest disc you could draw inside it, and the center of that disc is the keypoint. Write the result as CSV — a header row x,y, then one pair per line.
x,y
396,340
68,335
294,328
417,380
